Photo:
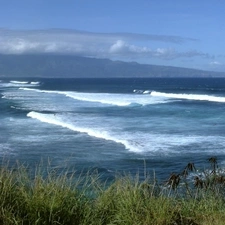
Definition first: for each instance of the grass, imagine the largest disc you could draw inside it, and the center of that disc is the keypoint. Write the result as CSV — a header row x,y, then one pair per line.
x,y
187,198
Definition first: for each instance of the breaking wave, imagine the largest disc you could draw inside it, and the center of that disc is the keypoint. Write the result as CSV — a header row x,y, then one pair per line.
x,y
106,98
196,97
55,120
15,83
18,82
138,142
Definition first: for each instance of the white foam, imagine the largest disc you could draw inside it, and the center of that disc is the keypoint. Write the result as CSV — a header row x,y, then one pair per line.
x,y
38,90
134,141
138,91
141,91
210,98
52,119
18,82
34,82
15,83
147,92
170,144
106,98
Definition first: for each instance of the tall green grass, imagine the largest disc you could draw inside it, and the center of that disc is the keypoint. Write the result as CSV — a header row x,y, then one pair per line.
x,y
187,198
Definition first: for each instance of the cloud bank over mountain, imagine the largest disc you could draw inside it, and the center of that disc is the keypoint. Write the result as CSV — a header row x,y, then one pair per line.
x,y
101,45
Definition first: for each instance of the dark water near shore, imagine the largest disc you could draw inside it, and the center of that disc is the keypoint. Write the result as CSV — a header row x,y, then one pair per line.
x,y
113,125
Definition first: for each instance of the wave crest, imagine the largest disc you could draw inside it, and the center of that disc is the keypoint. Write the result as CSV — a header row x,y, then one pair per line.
x,y
55,120
196,97
106,98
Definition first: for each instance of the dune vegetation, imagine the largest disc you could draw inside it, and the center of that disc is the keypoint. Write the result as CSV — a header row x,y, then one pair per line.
x,y
189,198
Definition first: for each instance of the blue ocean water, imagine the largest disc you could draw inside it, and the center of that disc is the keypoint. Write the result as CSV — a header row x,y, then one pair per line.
x,y
113,125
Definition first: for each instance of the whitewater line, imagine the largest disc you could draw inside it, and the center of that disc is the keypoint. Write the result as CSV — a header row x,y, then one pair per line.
x,y
104,98
210,98
52,119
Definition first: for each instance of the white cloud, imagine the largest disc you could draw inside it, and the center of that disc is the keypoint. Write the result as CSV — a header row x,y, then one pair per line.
x,y
120,45
215,63
123,49
18,46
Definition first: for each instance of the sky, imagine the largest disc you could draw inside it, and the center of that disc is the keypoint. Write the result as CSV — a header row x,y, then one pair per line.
x,y
180,33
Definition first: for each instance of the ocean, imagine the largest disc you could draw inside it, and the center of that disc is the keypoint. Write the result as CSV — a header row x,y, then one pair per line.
x,y
120,125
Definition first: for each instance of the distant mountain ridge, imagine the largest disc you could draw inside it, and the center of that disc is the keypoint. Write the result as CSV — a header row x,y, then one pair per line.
x,y
84,67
